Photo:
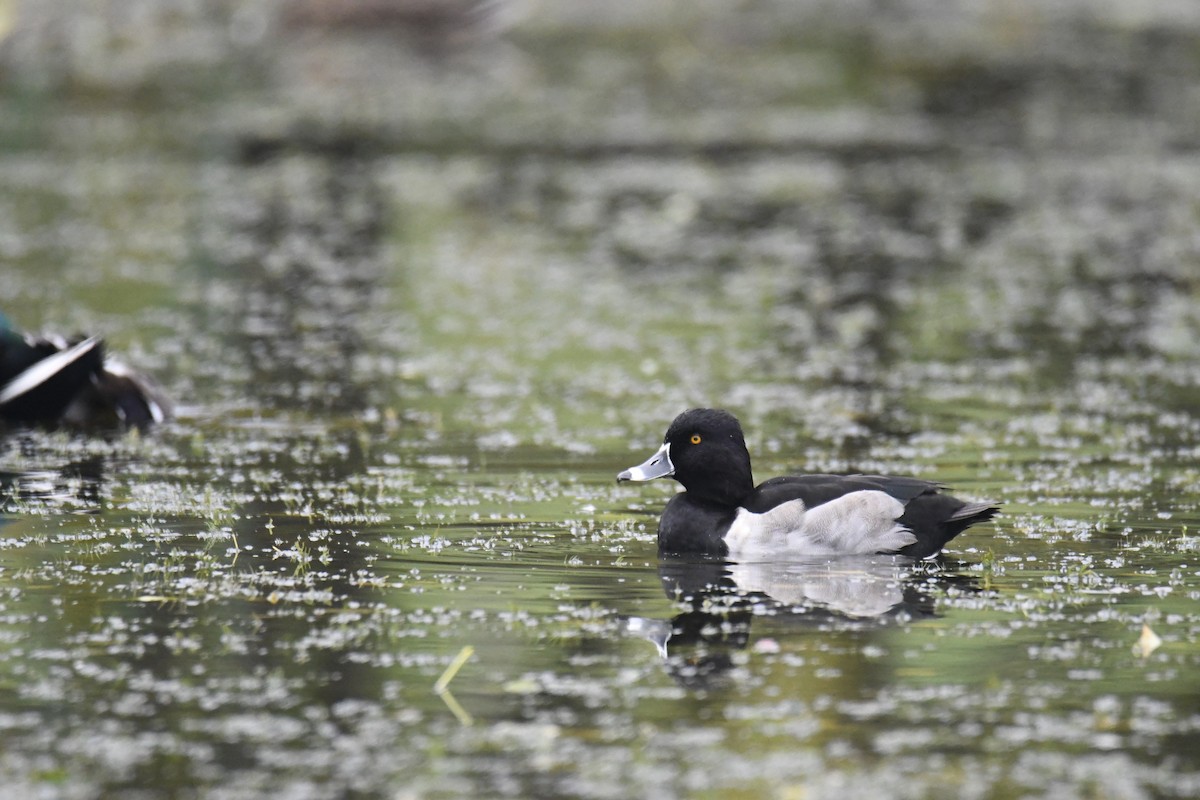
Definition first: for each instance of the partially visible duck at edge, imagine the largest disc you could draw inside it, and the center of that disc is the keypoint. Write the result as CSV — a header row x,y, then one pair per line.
x,y
722,512
49,380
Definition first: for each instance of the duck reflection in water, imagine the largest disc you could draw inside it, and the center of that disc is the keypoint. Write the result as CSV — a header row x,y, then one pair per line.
x,y
75,486
721,599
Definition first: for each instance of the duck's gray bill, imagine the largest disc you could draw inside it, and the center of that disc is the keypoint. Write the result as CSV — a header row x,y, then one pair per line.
x,y
658,466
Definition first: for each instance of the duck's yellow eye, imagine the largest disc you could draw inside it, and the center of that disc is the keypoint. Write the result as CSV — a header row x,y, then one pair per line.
x,y
695,438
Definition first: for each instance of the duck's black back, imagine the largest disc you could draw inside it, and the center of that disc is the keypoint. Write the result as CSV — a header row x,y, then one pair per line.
x,y
817,489
933,517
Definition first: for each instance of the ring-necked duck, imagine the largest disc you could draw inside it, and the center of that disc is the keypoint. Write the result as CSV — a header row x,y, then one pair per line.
x,y
48,380
722,513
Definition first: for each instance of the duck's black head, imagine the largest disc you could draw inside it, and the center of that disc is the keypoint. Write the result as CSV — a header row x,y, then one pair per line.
x,y
704,449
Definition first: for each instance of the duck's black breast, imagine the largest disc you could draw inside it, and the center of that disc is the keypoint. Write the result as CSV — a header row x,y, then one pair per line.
x,y
688,526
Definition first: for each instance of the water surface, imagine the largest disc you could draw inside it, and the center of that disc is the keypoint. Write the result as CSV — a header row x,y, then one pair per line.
x,y
416,327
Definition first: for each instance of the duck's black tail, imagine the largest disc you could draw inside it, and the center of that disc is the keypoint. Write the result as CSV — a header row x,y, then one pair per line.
x,y
935,519
119,395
